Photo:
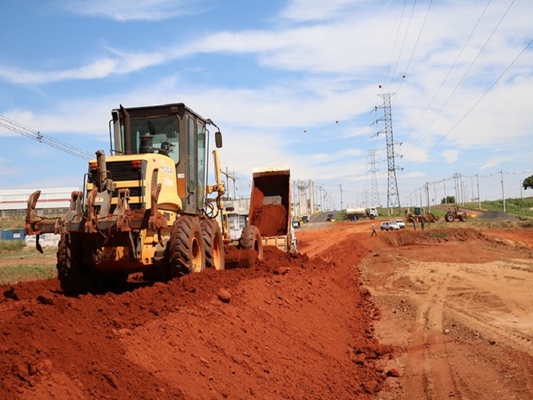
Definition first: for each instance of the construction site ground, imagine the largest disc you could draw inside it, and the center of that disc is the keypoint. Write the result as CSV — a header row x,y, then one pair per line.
x,y
442,313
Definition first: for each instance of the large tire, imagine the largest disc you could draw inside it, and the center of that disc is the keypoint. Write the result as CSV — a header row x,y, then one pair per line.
x,y
449,217
185,249
214,244
251,240
69,268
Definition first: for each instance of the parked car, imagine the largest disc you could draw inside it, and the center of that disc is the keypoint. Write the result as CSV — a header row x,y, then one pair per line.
x,y
401,223
295,223
306,219
331,217
389,226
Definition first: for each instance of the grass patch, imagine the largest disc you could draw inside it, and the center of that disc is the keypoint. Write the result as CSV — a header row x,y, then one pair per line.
x,y
12,245
25,251
12,222
19,273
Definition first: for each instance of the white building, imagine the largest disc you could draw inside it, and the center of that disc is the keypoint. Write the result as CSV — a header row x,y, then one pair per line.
x,y
237,212
52,201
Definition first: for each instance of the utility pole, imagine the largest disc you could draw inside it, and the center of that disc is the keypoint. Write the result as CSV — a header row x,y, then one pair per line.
x,y
478,195
503,193
340,186
302,197
393,195
320,196
228,176
427,197
311,186
456,187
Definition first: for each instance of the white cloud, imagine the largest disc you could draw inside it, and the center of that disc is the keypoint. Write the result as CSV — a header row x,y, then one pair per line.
x,y
134,10
450,156
96,70
336,53
316,10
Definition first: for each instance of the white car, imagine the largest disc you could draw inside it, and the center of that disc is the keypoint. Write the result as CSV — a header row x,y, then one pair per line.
x,y
401,223
389,226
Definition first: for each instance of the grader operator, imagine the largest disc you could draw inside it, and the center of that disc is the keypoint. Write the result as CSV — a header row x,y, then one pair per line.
x,y
146,207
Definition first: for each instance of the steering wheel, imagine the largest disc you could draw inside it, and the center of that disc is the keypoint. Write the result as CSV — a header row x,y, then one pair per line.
x,y
211,211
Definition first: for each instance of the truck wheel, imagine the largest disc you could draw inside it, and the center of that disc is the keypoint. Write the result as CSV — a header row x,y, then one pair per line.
x,y
449,217
185,249
69,272
251,240
214,244
372,216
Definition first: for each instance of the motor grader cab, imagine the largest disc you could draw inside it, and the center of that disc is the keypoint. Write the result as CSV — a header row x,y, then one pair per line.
x,y
146,207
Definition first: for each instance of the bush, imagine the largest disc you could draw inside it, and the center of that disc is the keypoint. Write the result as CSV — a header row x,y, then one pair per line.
x,y
12,245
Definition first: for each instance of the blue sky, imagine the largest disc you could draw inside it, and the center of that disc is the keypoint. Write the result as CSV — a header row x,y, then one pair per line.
x,y
289,82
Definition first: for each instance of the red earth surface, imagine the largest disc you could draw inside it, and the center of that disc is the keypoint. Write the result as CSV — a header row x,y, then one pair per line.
x,y
442,313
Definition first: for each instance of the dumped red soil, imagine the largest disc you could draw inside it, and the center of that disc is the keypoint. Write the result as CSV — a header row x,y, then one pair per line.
x,y
440,313
271,220
287,327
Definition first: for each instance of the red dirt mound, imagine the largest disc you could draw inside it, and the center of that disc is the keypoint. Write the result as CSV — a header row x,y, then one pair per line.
x,y
289,326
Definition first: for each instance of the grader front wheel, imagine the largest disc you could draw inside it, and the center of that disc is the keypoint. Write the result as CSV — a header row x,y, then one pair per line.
x,y
214,244
186,249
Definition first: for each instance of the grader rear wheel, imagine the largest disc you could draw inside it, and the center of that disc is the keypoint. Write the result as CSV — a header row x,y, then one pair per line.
x,y
214,244
72,279
186,249
251,240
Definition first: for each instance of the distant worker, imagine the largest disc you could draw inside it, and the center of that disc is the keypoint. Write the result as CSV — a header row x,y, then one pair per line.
x,y
414,223
374,233
422,223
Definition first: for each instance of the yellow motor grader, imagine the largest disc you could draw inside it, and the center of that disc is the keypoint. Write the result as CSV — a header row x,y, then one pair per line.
x,y
143,208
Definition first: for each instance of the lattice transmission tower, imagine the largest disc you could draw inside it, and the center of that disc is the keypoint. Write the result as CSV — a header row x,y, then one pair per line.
x,y
393,195
373,169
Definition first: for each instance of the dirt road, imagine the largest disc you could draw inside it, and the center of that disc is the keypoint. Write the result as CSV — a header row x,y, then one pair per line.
x,y
434,314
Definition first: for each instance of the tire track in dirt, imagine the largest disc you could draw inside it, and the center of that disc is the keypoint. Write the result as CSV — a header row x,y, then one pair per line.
x,y
503,288
428,362
491,300
497,302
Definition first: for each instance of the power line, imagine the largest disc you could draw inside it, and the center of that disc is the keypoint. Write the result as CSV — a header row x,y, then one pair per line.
x,y
462,78
415,46
482,96
450,70
38,136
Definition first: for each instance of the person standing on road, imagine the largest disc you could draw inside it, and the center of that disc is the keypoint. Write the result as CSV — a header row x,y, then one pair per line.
x,y
374,233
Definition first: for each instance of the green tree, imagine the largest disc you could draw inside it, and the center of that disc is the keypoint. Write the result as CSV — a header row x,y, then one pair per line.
x,y
528,182
448,200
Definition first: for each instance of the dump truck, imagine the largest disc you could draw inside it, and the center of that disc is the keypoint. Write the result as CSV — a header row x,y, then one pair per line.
x,y
353,214
270,207
145,206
